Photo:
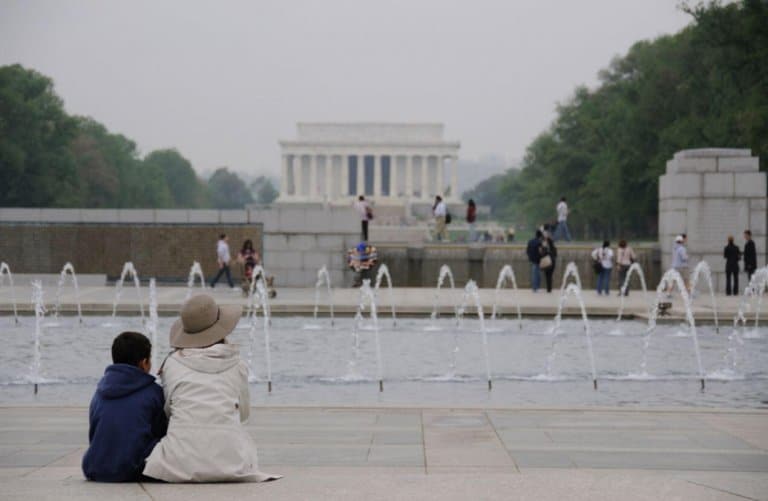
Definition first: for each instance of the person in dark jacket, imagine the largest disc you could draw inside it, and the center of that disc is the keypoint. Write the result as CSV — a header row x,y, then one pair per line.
x,y
127,416
548,249
534,257
732,255
750,255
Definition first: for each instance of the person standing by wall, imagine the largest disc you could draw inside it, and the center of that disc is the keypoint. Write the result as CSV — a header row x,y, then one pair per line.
x,y
366,214
732,255
680,257
625,256
562,232
548,253
471,218
223,258
440,211
750,255
534,257
604,256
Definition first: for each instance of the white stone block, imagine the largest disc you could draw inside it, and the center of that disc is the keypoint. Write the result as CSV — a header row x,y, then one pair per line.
x,y
302,242
671,204
713,152
680,186
684,165
99,215
757,222
285,259
718,184
270,218
171,216
330,242
317,221
292,220
277,242
316,260
204,216
233,216
20,215
672,222
64,215
738,164
751,184
758,203
136,215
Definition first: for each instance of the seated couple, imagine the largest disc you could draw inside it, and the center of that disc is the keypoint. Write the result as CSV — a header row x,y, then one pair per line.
x,y
190,430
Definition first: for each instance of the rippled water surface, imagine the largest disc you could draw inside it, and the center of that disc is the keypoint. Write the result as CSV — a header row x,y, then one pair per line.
x,y
314,363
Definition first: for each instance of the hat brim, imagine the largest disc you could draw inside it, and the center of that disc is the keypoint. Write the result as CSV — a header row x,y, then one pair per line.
x,y
229,315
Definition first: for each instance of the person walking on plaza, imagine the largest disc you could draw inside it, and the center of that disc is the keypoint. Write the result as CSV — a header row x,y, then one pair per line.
x,y
562,232
440,211
680,258
223,258
604,256
750,255
625,256
548,253
534,257
471,217
732,255
366,214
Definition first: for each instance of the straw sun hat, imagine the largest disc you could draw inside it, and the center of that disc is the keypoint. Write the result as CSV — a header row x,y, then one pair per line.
x,y
203,323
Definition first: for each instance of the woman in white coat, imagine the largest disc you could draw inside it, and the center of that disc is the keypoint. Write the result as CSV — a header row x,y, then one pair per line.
x,y
206,399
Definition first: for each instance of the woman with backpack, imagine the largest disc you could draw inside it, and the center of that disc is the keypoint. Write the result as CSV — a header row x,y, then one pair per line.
x,y
602,258
548,253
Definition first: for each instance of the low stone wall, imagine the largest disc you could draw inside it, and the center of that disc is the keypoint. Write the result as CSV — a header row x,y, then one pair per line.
x,y
419,265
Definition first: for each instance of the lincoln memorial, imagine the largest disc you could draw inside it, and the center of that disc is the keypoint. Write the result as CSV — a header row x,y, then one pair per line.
x,y
396,164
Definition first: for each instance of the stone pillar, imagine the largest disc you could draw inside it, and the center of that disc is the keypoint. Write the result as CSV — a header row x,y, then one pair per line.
x,y
298,182
409,176
393,191
708,194
454,167
424,178
284,178
344,175
360,175
377,176
328,177
312,177
439,176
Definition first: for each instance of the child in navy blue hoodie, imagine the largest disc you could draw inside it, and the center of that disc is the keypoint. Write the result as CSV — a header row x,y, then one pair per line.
x,y
126,416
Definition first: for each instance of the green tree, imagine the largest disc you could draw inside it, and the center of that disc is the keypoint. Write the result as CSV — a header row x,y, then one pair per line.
x,y
263,191
227,190
185,187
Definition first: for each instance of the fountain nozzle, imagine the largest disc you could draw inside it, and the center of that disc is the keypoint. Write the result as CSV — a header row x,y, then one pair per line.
x,y
594,384
490,385
269,386
381,385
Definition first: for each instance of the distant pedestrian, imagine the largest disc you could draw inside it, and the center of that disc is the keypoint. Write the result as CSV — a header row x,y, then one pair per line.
x,y
366,214
471,217
732,255
680,258
604,257
625,257
440,211
548,253
534,257
562,231
223,258
750,255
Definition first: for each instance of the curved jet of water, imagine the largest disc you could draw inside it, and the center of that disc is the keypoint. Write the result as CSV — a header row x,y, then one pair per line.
x,y
507,274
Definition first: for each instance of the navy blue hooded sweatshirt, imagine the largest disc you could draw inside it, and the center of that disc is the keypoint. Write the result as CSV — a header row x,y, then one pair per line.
x,y
127,419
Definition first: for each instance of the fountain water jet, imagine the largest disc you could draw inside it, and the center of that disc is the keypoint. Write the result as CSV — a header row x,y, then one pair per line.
x,y
507,274
324,276
261,297
471,292
258,270
702,269
368,296
572,290
670,279
153,319
194,271
5,270
384,272
39,306
637,269
445,271
68,269
128,269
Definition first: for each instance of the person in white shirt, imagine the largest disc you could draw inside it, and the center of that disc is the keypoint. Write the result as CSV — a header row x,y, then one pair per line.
x,y
366,214
603,258
562,232
625,256
223,258
440,211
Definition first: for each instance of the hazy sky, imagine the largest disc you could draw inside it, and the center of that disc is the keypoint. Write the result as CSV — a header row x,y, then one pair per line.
x,y
223,81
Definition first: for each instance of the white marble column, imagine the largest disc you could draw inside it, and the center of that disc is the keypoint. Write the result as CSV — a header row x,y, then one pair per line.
x,y
360,175
393,191
454,166
312,177
328,177
424,174
409,176
439,177
298,184
377,176
344,175
284,178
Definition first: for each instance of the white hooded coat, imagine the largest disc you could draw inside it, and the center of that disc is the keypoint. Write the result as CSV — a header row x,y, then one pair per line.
x,y
206,400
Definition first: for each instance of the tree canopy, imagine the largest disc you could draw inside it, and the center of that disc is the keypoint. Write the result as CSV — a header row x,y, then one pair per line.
x,y
702,87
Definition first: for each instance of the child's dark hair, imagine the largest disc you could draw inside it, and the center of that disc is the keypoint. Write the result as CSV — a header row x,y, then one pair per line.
x,y
130,348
